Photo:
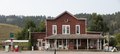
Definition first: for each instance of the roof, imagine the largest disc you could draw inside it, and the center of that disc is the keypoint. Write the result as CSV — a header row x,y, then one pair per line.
x,y
16,41
67,13
75,36
93,32
38,32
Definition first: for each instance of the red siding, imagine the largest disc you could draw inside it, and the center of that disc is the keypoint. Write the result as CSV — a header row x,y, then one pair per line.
x,y
38,35
61,21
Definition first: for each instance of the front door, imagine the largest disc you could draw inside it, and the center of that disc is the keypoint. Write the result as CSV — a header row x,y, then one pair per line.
x,y
71,44
93,44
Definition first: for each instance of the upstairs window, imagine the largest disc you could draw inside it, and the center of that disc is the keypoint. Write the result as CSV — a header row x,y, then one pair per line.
x,y
65,29
77,29
54,29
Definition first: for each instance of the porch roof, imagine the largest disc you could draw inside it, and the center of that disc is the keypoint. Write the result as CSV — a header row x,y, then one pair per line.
x,y
75,36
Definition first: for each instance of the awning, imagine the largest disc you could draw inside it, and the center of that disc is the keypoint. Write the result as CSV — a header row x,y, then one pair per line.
x,y
16,41
75,36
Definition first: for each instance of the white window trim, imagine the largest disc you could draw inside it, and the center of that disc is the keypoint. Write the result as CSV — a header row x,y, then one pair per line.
x,y
65,29
62,29
53,29
76,29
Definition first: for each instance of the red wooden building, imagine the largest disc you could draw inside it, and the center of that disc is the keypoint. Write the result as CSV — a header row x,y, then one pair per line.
x,y
66,32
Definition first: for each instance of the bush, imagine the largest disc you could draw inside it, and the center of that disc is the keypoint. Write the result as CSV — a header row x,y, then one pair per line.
x,y
0,47
22,46
118,47
112,42
117,37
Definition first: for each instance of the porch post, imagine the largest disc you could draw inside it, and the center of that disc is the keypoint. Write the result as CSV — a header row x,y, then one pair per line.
x,y
100,45
104,43
77,43
66,45
49,43
97,44
62,44
41,42
87,44
38,44
55,44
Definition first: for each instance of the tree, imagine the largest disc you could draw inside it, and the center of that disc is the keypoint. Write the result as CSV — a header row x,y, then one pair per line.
x,y
41,27
30,25
97,23
112,42
117,37
24,34
105,28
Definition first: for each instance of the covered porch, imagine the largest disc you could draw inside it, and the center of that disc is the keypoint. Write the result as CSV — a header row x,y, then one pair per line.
x,y
75,42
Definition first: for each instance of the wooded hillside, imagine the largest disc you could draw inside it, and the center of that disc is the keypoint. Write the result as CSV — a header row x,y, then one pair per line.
x,y
112,20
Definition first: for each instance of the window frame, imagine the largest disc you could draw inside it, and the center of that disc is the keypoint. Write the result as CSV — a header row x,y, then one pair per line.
x,y
54,27
65,27
76,29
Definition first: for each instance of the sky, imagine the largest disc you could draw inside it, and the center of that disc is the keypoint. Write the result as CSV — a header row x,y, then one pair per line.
x,y
55,7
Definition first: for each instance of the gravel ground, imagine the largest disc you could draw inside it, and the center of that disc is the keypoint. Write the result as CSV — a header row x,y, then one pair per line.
x,y
58,52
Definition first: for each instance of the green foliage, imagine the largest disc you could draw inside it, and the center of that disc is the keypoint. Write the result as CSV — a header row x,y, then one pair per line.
x,y
117,37
112,21
30,26
105,27
22,44
1,47
112,42
30,44
41,27
97,23
20,20
24,34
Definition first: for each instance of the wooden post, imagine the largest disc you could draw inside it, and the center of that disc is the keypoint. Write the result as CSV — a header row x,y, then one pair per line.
x,y
87,44
100,45
41,43
62,44
104,44
38,45
77,43
55,44
97,44
66,45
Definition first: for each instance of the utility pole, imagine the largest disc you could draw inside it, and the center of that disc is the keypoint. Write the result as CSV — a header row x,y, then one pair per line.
x,y
30,44
29,30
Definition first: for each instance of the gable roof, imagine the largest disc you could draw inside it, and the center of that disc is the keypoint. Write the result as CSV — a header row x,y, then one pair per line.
x,y
66,12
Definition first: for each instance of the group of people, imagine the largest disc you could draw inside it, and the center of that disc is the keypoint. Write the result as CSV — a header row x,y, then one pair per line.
x,y
11,48
110,48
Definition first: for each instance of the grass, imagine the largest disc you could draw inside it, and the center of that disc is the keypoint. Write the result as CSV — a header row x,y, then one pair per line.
x,y
6,29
